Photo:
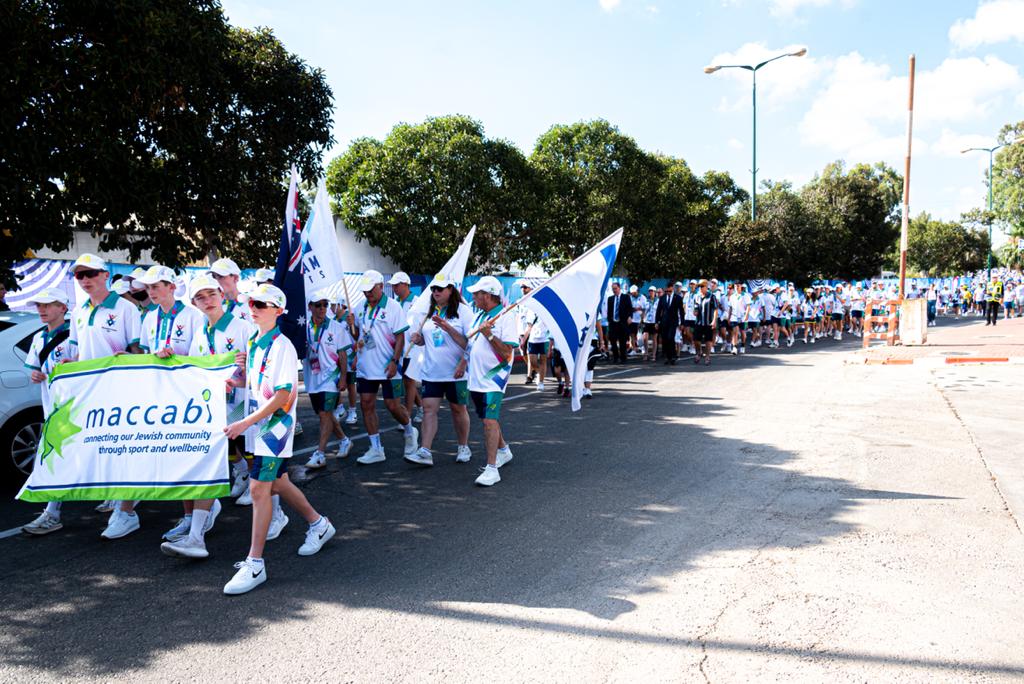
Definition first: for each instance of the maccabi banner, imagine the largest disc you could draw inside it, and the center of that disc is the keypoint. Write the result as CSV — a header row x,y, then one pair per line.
x,y
134,427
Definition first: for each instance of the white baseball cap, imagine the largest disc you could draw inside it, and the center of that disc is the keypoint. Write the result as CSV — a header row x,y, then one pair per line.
x,y
400,277
264,275
154,274
224,267
267,293
634,288
50,294
89,261
120,287
369,280
203,282
441,280
488,284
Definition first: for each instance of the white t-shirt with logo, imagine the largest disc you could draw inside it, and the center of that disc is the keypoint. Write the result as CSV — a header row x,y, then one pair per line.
x,y
65,351
174,329
441,353
271,365
690,306
325,344
488,372
539,332
639,302
379,327
239,310
106,329
228,336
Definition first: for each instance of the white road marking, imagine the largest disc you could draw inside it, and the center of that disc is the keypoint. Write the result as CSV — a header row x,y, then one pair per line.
x,y
10,533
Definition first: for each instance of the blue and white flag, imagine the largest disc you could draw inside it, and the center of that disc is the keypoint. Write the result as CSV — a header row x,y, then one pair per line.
x,y
321,255
568,304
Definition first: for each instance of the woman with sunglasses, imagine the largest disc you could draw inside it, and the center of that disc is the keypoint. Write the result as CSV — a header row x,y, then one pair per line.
x,y
443,339
325,371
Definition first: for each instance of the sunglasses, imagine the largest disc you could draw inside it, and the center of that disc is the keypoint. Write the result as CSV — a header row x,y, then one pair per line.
x,y
318,305
438,288
86,273
140,296
258,305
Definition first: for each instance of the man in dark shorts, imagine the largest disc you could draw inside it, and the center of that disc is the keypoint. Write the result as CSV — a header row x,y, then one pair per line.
x,y
705,321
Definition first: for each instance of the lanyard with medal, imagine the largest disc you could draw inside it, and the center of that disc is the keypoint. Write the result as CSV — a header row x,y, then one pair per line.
x,y
314,344
437,334
161,319
368,341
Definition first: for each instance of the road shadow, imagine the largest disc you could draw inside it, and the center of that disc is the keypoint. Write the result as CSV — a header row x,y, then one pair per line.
x,y
596,507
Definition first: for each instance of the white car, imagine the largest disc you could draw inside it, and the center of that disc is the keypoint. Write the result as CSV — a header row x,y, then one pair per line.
x,y
21,407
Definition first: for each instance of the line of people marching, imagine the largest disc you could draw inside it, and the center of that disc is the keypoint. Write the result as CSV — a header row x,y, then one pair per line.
x,y
467,356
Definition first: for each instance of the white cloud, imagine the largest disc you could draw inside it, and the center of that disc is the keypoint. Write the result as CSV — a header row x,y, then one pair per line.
x,y
735,144
861,113
776,84
785,8
993,22
951,144
653,9
609,5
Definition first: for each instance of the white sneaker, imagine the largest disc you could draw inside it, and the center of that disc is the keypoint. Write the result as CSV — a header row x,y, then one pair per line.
x,y
540,386
421,456
212,518
417,416
344,447
241,484
789,341
743,350
179,531
316,537
463,454
121,525
249,576
277,523
488,477
245,499
339,413
105,507
185,548
587,392
44,524
735,351
411,440
351,418
503,456
372,455
317,460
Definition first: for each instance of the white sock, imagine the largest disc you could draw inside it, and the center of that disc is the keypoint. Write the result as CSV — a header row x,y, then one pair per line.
x,y
257,561
408,428
318,523
276,500
196,531
375,441
53,508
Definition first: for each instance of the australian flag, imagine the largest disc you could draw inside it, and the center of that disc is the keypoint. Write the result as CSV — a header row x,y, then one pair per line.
x,y
288,273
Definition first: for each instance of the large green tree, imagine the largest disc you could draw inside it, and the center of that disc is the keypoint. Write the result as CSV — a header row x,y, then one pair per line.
x,y
944,248
1008,180
152,123
415,194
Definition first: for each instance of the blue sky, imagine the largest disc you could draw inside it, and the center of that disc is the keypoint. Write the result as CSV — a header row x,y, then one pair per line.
x,y
520,67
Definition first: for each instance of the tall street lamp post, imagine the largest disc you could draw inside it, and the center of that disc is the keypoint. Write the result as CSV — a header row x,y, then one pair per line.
x,y
991,153
753,72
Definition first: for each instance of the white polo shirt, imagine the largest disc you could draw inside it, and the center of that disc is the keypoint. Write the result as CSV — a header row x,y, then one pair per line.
x,y
441,353
379,327
539,332
65,351
488,372
173,329
271,365
105,329
228,336
238,310
325,344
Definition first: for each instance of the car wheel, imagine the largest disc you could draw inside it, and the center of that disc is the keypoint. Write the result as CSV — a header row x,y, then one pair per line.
x,y
19,441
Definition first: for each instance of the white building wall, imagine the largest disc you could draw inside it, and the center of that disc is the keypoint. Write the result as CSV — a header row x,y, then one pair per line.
x,y
358,255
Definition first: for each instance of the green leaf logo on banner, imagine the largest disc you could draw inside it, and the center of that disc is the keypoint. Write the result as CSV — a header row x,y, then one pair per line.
x,y
58,430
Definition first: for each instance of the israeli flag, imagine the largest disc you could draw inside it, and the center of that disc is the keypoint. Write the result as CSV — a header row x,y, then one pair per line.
x,y
568,303
321,256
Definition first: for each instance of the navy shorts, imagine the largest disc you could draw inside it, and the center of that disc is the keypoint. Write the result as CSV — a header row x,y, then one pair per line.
x,y
837,317
776,320
690,324
703,333
393,388
323,401
268,468
857,314
537,348
405,365
456,391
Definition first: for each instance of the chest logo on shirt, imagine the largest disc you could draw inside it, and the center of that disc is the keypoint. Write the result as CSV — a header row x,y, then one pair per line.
x,y
57,353
230,344
111,319
330,338
179,330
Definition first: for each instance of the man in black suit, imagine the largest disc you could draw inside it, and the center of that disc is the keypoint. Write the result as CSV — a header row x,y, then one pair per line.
x,y
619,310
669,316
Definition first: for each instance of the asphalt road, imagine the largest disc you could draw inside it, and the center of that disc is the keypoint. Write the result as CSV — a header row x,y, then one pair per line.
x,y
779,515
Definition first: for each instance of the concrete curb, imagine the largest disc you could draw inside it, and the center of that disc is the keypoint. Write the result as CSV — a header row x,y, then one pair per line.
x,y
936,361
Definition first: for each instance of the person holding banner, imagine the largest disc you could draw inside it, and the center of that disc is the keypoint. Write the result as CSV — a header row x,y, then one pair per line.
x,y
444,340
50,346
221,333
491,351
325,371
381,327
271,379
226,273
104,325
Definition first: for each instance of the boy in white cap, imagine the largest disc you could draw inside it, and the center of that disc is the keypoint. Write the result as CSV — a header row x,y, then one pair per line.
x,y
325,372
226,273
221,334
381,327
264,276
491,351
271,379
400,285
50,346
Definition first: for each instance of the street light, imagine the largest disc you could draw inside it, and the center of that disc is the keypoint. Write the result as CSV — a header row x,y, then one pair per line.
x,y
753,72
991,152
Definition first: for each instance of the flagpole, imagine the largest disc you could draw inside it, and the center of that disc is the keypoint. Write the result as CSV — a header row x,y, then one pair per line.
x,y
530,293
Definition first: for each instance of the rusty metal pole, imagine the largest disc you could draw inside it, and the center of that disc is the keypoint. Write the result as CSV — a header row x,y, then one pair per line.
x,y
904,224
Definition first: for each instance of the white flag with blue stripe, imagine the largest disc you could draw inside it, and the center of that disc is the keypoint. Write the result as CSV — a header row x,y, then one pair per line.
x,y
568,304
